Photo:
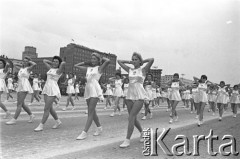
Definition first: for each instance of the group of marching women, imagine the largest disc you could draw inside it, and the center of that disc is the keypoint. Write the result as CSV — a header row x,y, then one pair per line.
x,y
138,90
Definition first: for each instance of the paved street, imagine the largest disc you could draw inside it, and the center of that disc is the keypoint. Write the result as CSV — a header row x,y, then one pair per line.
x,y
20,141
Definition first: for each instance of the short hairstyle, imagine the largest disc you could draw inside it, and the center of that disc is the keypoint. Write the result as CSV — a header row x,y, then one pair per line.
x,y
4,62
139,56
176,74
118,74
58,58
204,77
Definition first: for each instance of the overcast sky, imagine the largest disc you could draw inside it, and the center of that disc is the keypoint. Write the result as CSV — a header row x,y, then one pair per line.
x,y
191,37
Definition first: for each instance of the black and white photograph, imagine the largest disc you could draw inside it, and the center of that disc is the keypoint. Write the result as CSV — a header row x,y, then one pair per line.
x,y
119,79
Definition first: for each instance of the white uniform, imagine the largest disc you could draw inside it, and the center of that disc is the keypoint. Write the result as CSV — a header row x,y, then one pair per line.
x,y
93,88
202,87
70,87
222,96
195,95
149,89
174,94
118,92
235,97
77,88
51,87
135,88
3,87
158,92
125,89
187,95
109,90
35,86
10,84
23,82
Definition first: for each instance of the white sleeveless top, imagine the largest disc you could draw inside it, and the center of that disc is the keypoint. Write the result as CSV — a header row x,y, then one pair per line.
x,y
3,86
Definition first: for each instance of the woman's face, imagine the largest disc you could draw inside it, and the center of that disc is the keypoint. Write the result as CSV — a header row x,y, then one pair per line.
x,y
94,60
149,77
136,61
203,80
175,78
25,62
55,63
222,85
1,65
126,80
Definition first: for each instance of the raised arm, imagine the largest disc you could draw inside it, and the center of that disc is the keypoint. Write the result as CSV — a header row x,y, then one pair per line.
x,y
122,64
104,65
60,69
47,63
6,69
148,65
81,66
32,64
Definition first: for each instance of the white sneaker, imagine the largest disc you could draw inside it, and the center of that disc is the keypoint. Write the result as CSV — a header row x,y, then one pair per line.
x,y
98,131
126,143
234,115
86,112
220,119
196,117
112,115
119,113
65,108
29,104
39,128
213,114
141,138
31,118
11,122
170,121
143,112
8,114
167,110
144,118
199,123
191,112
57,124
73,108
176,119
82,136
151,115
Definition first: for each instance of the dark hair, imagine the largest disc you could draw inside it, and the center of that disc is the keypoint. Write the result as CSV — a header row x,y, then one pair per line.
x,y
118,74
4,62
176,74
204,77
149,74
235,86
222,82
58,58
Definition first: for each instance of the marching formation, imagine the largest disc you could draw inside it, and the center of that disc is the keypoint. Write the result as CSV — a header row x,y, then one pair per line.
x,y
137,90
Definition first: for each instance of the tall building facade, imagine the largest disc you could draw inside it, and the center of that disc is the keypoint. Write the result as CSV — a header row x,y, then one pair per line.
x,y
40,68
156,75
166,78
30,51
74,54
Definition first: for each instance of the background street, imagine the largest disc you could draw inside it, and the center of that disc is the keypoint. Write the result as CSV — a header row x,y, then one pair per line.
x,y
20,141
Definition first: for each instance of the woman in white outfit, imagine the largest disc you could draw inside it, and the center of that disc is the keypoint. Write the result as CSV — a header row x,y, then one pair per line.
x,y
51,90
10,86
136,93
93,91
3,88
118,93
234,100
109,94
174,96
221,99
36,89
70,90
76,91
23,89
